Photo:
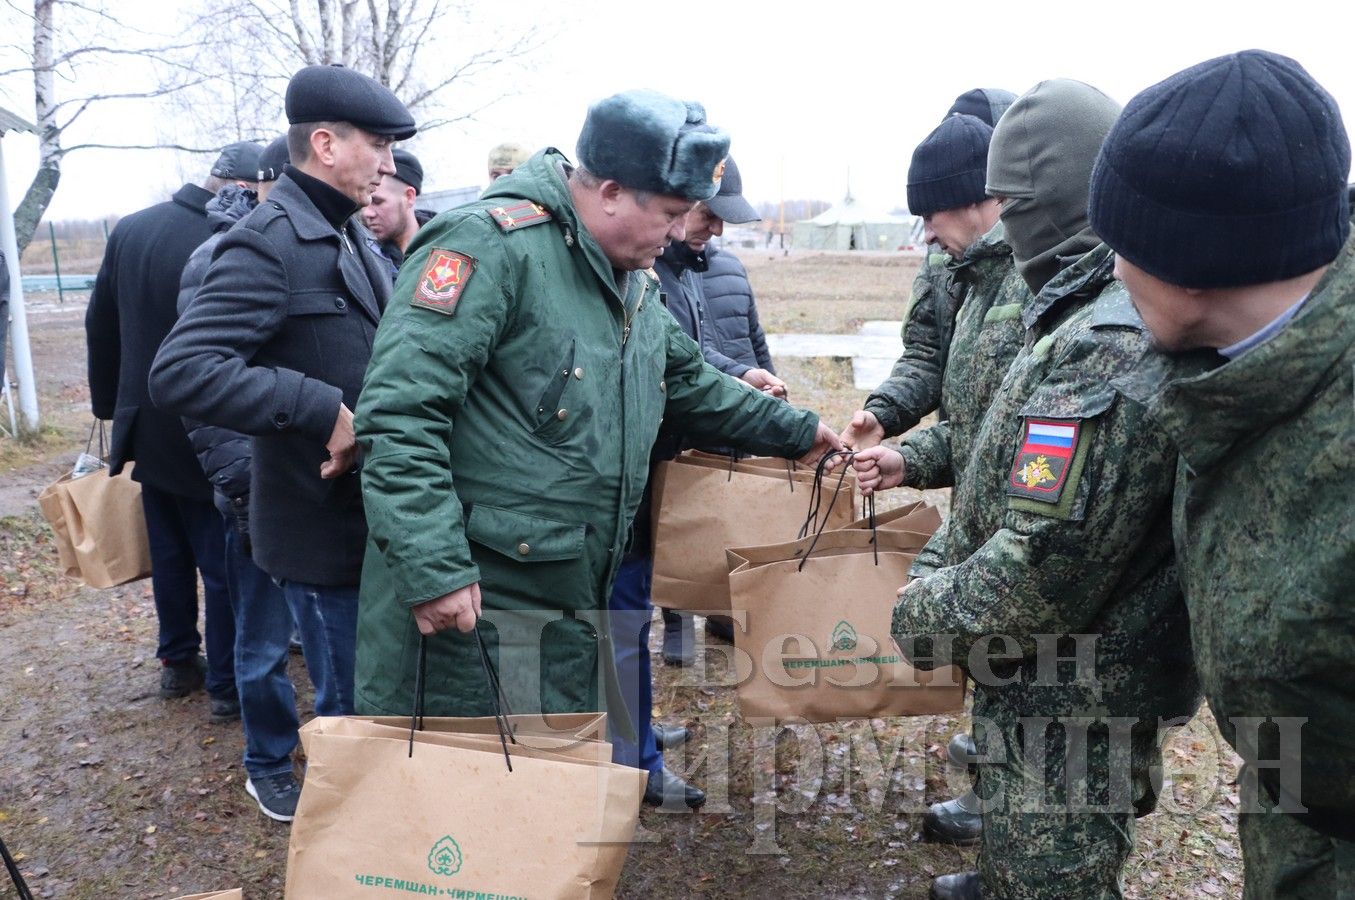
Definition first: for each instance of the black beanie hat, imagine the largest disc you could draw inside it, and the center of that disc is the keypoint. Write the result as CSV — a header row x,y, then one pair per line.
x,y
1229,173
408,169
949,166
987,104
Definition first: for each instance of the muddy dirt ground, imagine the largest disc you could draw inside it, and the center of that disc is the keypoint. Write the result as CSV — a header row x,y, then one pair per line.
x,y
107,791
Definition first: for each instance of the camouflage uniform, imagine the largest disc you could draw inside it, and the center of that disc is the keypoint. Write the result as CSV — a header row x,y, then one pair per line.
x,y
1064,540
1265,534
987,334
913,387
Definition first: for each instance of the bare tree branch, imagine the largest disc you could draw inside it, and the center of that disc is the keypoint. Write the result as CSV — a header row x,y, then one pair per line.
x,y
182,147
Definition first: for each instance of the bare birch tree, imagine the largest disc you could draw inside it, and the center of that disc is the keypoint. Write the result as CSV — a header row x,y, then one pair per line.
x,y
420,49
73,42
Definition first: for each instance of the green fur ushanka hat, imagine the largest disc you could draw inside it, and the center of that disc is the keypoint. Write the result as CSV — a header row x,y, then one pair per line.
x,y
650,142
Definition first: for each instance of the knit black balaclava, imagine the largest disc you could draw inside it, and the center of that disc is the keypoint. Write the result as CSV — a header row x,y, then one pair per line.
x,y
1041,159
1229,173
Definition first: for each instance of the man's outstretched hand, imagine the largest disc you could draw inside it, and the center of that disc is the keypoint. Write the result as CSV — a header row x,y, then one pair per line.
x,y
825,441
764,381
865,431
877,469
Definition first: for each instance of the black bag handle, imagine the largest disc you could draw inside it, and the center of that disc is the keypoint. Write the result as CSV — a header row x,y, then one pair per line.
x,y
12,867
867,507
497,698
89,442
816,502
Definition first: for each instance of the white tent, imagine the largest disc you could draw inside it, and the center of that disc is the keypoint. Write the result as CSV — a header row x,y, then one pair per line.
x,y
851,225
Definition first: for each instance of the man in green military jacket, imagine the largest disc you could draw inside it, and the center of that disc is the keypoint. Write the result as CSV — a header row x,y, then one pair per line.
x,y
1058,544
1223,192
517,383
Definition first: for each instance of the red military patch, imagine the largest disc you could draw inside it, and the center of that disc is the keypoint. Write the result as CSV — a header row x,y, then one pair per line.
x,y
444,277
1040,471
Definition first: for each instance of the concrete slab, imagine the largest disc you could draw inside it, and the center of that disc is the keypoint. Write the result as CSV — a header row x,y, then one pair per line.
x,y
880,327
868,372
834,345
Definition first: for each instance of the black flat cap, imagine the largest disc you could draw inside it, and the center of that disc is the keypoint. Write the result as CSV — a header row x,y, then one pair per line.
x,y
238,162
408,169
338,94
273,158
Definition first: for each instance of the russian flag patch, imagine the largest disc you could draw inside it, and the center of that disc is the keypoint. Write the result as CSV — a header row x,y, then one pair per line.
x,y
1040,471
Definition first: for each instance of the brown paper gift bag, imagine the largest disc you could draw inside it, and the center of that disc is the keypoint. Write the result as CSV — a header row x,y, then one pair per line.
x,y
107,527
705,506
581,736
918,517
49,501
815,644
377,815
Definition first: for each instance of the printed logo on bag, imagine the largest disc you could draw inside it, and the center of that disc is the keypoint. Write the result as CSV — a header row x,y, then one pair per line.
x,y
445,857
444,277
844,636
1041,467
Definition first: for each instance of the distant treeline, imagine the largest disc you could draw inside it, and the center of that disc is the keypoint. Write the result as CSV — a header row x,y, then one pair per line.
x,y
79,246
77,229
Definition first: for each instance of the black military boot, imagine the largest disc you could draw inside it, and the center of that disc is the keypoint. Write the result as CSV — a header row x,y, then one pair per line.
x,y
179,679
961,886
961,750
666,737
666,788
679,638
957,821
721,628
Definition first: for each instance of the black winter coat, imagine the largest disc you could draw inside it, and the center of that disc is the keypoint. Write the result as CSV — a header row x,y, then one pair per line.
x,y
223,454
680,269
130,311
277,337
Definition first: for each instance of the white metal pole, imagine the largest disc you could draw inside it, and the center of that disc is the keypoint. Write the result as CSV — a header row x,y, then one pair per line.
x,y
23,355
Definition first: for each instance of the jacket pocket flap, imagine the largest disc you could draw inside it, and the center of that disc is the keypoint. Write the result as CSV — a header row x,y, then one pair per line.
x,y
1070,400
317,303
524,537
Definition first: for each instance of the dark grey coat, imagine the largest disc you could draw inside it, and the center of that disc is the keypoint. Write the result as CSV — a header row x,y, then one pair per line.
x,y
731,325
130,311
679,270
277,337
223,454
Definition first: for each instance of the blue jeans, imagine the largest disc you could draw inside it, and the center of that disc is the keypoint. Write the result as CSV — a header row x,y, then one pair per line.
x,y
187,537
631,613
263,630
327,618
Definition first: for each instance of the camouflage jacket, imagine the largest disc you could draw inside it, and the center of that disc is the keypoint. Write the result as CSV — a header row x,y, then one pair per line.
x,y
1265,534
1067,532
913,387
986,337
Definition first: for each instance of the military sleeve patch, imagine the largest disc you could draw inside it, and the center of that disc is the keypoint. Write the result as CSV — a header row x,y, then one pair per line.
x,y
1042,465
444,277
519,215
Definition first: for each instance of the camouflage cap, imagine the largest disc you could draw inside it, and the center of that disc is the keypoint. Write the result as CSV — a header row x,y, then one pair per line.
x,y
508,156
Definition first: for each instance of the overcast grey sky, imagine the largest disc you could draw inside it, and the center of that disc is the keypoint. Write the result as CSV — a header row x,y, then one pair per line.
x,y
809,92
